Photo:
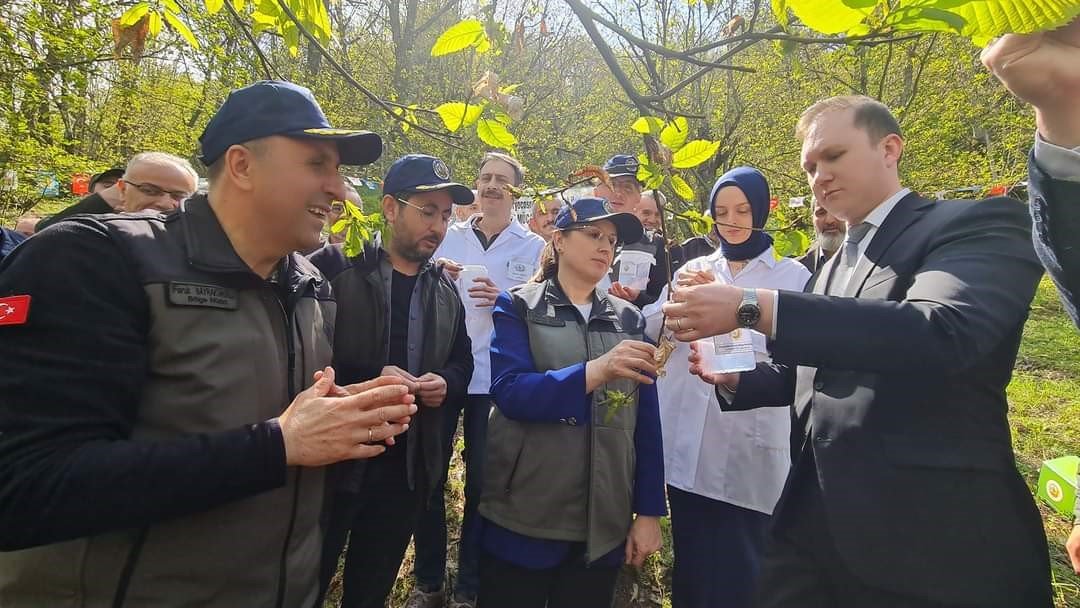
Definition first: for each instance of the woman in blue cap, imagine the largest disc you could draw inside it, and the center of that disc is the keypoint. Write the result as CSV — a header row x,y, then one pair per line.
x,y
725,470
574,444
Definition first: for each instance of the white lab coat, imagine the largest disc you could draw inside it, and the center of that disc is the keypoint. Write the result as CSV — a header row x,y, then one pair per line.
x,y
741,458
511,260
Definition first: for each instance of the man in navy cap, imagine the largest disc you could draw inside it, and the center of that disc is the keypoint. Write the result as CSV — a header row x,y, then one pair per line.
x,y
624,195
156,442
398,315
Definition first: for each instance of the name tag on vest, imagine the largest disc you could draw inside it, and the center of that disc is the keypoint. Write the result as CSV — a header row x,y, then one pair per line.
x,y
198,294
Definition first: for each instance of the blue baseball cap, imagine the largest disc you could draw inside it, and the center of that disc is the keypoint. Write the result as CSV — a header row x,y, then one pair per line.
x,y
589,209
620,165
274,107
424,173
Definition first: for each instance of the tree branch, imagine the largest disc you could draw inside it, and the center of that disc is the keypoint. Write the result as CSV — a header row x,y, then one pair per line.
x,y
268,69
386,107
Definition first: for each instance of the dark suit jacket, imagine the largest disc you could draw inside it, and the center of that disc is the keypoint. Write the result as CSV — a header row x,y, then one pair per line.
x,y
902,389
812,259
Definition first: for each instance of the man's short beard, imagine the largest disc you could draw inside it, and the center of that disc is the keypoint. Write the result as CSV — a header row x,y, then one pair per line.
x,y
413,254
830,241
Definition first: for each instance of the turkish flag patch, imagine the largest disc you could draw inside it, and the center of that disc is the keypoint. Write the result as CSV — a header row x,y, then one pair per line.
x,y
14,310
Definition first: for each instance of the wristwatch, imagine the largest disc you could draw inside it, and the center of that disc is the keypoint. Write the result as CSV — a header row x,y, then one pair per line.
x,y
748,313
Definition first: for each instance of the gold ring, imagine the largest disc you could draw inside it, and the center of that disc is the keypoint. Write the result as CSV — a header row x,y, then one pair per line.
x,y
678,324
370,437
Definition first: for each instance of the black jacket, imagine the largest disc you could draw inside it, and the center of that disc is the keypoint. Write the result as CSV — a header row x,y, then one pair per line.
x,y
88,205
361,348
137,417
899,391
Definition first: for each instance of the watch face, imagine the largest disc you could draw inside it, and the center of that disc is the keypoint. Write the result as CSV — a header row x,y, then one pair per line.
x,y
748,315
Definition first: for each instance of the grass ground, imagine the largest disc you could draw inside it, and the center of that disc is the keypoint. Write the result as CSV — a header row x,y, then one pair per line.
x,y
1045,416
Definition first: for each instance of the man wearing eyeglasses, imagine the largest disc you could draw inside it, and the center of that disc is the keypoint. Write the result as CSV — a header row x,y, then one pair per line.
x,y
156,181
509,255
624,196
399,314
152,180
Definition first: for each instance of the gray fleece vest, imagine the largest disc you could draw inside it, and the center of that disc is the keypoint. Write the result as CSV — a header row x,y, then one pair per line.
x,y
572,480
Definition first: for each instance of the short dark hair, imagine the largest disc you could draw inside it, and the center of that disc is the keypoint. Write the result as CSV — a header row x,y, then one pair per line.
x,y
871,116
519,170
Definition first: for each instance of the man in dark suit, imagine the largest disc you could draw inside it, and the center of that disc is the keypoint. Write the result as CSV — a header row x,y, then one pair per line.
x,y
904,491
828,238
1044,70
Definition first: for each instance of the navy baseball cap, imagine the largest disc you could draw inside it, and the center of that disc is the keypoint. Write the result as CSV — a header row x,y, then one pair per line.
x,y
589,209
620,165
424,173
274,107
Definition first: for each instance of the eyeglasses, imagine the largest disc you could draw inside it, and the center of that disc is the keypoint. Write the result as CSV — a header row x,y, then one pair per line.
x,y
156,191
337,207
597,235
430,215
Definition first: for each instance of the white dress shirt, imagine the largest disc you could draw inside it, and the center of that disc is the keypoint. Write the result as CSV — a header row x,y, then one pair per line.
x,y
875,218
511,260
740,458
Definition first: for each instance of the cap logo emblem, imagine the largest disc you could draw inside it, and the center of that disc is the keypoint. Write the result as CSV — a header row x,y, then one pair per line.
x,y
632,164
607,207
440,169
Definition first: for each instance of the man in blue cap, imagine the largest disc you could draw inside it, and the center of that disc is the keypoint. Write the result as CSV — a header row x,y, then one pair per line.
x,y
398,315
624,195
156,443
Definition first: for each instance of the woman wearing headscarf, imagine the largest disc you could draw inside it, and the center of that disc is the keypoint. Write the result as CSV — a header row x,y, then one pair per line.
x,y
573,480
725,470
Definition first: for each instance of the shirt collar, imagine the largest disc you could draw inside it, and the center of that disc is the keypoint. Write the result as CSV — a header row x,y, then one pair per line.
x,y
877,217
767,257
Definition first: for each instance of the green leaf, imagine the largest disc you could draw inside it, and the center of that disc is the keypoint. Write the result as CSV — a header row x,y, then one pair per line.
x,y
503,117
459,37
860,4
674,133
828,16
510,88
134,14
780,11
213,6
987,19
694,153
339,225
181,28
154,26
171,5
655,181
648,125
699,223
951,21
456,114
291,33
682,188
494,133
238,5
645,171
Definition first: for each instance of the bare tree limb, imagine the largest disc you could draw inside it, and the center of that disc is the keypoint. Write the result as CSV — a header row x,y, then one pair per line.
x,y
386,107
268,68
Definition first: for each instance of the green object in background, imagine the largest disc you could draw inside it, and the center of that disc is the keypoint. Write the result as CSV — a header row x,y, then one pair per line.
x,y
1057,483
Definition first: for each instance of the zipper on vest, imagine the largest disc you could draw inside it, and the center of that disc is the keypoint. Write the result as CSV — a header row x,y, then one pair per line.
x,y
129,568
589,445
283,567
